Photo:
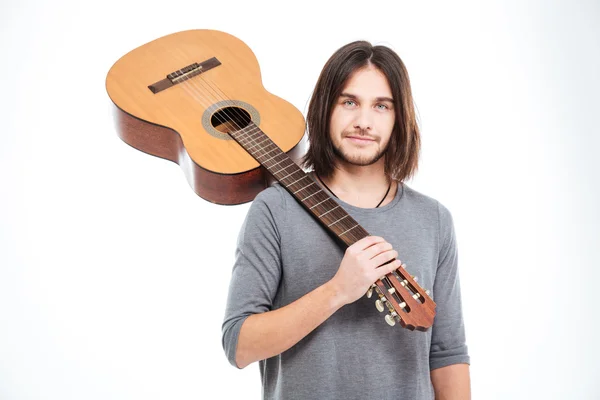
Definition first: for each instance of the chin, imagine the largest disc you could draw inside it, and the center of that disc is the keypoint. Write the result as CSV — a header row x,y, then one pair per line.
x,y
360,159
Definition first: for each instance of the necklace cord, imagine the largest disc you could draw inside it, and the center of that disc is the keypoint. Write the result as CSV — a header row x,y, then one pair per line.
x,y
327,187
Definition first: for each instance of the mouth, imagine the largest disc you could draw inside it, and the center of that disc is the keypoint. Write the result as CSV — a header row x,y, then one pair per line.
x,y
360,139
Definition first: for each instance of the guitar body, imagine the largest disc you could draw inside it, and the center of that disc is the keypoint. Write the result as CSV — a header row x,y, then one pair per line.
x,y
177,98
196,98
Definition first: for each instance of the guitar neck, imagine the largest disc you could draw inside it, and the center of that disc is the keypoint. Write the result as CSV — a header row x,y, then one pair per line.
x,y
299,184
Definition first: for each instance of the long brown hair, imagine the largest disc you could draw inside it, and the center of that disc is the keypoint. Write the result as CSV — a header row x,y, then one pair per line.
x,y
402,155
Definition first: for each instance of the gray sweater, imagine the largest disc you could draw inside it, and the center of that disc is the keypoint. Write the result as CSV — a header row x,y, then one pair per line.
x,y
283,253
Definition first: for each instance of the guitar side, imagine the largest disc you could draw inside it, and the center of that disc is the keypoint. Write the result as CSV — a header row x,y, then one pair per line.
x,y
175,123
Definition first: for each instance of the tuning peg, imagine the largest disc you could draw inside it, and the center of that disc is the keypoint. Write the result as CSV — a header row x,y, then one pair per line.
x,y
405,281
427,292
379,305
390,318
370,291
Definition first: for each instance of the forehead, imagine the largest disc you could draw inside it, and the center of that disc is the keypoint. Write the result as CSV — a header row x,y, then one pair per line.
x,y
369,83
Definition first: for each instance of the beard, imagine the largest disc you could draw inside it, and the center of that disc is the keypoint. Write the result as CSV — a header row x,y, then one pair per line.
x,y
354,158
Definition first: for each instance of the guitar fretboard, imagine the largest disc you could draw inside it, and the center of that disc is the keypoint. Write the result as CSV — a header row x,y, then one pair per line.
x,y
299,183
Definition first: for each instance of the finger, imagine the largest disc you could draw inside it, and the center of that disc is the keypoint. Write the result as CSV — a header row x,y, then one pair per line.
x,y
384,257
387,268
394,265
376,249
367,242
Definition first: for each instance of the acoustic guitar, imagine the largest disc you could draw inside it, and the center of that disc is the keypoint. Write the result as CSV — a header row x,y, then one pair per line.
x,y
196,98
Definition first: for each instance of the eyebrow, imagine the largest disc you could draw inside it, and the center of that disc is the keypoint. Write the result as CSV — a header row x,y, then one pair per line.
x,y
352,96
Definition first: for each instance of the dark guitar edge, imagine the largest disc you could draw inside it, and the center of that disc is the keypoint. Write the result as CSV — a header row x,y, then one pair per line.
x,y
165,143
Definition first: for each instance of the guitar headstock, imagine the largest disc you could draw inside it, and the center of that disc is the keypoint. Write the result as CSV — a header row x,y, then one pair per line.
x,y
407,302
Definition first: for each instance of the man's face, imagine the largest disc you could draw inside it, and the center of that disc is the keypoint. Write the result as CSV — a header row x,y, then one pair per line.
x,y
362,118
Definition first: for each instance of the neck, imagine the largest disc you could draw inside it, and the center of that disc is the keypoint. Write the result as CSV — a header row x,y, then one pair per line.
x,y
361,186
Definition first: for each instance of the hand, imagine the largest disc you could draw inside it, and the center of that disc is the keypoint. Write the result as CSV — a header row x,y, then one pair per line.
x,y
362,266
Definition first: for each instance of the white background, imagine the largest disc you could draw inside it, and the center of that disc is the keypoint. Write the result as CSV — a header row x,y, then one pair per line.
x,y
114,274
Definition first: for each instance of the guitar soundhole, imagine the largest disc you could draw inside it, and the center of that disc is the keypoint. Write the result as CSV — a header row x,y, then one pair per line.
x,y
230,119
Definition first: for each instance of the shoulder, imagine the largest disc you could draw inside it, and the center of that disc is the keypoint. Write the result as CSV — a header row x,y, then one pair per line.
x,y
272,196
437,214
428,205
422,200
418,197
270,202
265,215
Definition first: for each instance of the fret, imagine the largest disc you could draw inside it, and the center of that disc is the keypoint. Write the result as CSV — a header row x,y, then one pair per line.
x,y
312,183
255,152
263,138
288,174
327,212
255,142
250,148
244,130
320,203
267,152
278,154
347,230
253,129
345,216
286,167
285,158
307,197
297,180
243,134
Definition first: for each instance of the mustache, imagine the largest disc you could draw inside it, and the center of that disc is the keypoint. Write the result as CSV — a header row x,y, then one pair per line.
x,y
362,133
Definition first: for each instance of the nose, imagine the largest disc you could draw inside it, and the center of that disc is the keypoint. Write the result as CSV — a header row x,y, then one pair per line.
x,y
364,119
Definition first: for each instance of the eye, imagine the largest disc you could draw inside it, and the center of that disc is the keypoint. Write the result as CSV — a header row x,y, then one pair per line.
x,y
382,106
349,103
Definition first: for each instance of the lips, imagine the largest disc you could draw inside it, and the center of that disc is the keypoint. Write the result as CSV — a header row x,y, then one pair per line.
x,y
360,139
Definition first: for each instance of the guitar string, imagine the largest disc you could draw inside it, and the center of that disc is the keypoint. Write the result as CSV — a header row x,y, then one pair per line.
x,y
188,83
189,87
192,86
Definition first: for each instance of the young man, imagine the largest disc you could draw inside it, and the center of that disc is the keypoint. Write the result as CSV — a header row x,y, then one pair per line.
x,y
296,301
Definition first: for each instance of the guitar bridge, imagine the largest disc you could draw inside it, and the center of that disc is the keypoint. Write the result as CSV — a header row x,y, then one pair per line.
x,y
184,74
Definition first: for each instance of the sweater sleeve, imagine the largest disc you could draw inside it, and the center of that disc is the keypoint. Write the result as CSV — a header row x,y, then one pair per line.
x,y
257,267
448,340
